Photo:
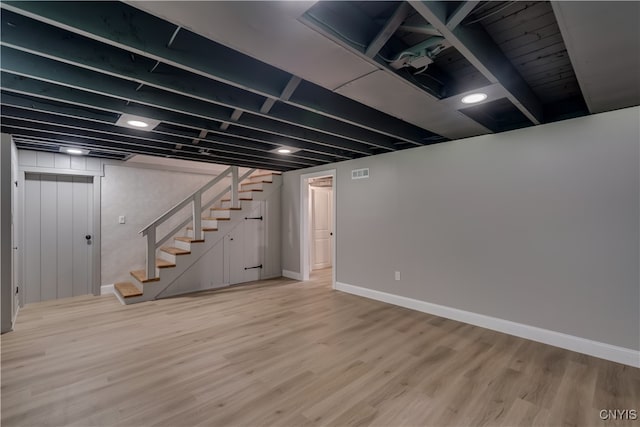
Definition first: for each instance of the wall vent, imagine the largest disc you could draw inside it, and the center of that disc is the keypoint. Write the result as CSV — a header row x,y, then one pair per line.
x,y
360,173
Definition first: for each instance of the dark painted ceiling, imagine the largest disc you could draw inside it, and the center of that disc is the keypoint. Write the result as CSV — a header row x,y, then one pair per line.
x,y
231,82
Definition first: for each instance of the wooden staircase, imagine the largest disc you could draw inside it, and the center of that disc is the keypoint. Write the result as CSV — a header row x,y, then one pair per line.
x,y
168,257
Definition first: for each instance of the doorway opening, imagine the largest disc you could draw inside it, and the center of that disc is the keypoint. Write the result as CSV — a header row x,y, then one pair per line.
x,y
318,231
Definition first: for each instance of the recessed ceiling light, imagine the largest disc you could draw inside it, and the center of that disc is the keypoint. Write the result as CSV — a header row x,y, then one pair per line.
x,y
132,121
285,149
74,151
474,98
138,123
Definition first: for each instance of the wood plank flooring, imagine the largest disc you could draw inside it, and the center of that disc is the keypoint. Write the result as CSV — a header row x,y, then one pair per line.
x,y
286,353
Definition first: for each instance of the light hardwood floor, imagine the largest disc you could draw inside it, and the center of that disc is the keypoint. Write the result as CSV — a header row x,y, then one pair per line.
x,y
281,352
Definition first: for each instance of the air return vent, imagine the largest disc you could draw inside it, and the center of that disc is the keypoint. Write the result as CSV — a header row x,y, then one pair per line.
x,y
360,173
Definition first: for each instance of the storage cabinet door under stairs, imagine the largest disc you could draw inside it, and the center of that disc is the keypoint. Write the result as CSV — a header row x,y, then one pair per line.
x,y
244,247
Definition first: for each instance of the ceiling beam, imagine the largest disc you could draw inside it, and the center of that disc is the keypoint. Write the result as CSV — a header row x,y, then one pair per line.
x,y
284,96
70,77
78,112
128,28
460,13
85,141
481,51
53,43
148,139
389,28
235,115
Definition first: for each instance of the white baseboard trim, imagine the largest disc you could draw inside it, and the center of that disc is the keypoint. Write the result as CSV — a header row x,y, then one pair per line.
x,y
106,289
602,350
291,275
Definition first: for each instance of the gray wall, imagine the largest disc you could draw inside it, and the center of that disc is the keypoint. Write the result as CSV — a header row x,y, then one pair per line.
x,y
538,226
5,233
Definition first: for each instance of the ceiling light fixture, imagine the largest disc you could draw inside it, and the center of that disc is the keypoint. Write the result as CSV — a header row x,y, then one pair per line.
x,y
74,151
474,98
285,149
138,123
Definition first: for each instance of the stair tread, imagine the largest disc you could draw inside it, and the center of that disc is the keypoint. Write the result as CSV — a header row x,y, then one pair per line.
x,y
189,240
257,182
265,174
141,276
174,251
204,228
127,289
240,199
226,209
163,263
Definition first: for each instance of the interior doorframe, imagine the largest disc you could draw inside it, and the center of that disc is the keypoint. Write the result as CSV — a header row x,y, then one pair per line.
x,y
96,266
305,238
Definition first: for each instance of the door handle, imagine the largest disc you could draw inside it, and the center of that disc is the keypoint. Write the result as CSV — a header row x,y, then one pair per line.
x,y
88,237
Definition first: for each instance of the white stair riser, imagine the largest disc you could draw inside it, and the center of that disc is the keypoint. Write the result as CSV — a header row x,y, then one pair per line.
x,y
167,257
221,214
252,186
182,245
209,223
268,179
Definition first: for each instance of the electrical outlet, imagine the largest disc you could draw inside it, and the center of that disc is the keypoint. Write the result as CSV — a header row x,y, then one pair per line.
x,y
397,275
122,219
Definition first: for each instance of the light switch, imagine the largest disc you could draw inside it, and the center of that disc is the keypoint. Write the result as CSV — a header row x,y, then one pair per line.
x,y
397,275
122,219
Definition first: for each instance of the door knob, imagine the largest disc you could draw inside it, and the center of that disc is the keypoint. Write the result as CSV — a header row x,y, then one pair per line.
x,y
88,237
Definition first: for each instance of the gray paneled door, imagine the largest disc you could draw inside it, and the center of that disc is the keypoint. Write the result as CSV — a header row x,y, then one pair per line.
x,y
58,219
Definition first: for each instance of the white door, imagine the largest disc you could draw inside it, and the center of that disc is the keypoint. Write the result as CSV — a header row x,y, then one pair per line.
x,y
321,227
58,236
244,246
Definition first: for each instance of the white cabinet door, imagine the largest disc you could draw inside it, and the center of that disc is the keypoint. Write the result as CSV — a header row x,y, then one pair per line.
x,y
244,246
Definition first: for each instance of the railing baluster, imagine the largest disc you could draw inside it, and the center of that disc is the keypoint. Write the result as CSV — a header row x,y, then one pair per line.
x,y
151,252
197,212
234,187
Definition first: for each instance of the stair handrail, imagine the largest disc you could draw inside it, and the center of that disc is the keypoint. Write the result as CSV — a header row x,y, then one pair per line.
x,y
195,199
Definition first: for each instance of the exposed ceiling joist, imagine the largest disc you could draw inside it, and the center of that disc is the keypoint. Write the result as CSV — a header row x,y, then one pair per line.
x,y
53,55
70,77
36,94
90,141
388,29
479,49
235,115
157,138
460,13
127,28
